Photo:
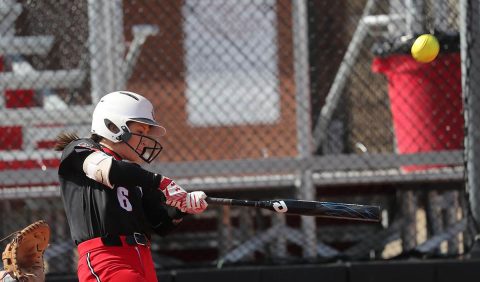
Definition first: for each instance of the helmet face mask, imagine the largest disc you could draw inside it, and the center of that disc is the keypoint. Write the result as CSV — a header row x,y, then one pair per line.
x,y
151,147
113,113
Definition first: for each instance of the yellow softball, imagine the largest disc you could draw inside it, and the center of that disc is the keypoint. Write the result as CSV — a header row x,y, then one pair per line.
x,y
425,48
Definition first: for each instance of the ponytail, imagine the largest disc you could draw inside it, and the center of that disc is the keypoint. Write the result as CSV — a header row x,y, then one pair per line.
x,y
63,139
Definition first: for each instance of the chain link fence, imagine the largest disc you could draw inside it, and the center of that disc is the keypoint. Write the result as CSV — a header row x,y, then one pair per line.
x,y
264,99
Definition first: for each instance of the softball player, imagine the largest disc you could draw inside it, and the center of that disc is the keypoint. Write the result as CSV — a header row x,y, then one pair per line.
x,y
112,203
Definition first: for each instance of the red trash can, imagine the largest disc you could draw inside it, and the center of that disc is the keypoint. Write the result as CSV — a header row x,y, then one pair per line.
x,y
426,103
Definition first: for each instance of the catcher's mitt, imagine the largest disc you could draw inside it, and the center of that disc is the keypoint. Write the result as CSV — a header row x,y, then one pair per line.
x,y
23,256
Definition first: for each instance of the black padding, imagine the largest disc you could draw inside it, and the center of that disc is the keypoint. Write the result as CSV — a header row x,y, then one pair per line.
x,y
392,272
310,273
222,275
164,276
458,271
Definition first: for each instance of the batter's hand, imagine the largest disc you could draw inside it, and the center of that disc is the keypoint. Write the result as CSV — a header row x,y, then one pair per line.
x,y
175,195
196,202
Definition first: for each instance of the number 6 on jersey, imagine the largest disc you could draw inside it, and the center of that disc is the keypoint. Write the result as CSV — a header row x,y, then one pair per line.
x,y
122,195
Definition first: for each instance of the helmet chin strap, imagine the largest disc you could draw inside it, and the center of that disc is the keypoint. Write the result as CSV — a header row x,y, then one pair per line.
x,y
148,154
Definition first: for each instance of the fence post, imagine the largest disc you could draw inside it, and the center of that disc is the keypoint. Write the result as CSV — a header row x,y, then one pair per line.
x,y
470,44
304,134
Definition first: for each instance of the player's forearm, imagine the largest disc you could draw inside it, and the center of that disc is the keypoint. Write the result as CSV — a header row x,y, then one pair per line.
x,y
130,174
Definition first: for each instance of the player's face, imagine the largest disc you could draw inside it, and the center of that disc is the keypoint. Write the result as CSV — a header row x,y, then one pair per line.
x,y
136,141
144,141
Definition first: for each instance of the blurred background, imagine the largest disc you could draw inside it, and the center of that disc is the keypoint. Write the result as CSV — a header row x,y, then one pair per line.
x,y
261,99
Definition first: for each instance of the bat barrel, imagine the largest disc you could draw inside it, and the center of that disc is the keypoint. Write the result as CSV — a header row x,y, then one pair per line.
x,y
311,208
353,212
328,209
336,210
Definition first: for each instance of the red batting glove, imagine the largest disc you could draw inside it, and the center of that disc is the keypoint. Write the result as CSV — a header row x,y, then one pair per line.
x,y
175,195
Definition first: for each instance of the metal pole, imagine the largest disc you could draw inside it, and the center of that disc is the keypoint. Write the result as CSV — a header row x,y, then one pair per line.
x,y
470,52
434,214
415,16
106,47
302,78
442,11
302,82
115,44
409,228
335,92
279,246
308,222
97,53
451,217
7,29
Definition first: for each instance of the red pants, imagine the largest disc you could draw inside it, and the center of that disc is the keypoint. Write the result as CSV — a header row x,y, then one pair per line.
x,y
98,262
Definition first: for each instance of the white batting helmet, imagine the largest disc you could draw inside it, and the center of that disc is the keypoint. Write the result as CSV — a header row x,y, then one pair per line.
x,y
118,108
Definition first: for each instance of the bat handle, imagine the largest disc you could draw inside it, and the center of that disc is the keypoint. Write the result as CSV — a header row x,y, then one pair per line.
x,y
218,201
233,202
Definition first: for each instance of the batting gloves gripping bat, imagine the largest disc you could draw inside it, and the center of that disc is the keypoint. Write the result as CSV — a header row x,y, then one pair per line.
x,y
176,196
196,202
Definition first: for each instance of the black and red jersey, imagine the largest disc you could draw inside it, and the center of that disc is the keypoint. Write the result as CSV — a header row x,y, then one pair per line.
x,y
133,205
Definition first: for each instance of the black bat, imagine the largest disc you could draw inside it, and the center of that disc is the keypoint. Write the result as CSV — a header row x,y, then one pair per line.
x,y
312,208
